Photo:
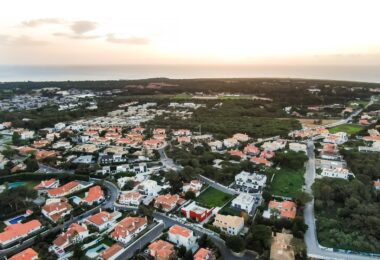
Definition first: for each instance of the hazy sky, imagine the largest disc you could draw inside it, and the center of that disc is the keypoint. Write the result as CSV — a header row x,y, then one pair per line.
x,y
190,32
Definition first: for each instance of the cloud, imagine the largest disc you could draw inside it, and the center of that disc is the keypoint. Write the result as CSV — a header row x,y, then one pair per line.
x,y
23,40
76,36
43,21
130,40
82,27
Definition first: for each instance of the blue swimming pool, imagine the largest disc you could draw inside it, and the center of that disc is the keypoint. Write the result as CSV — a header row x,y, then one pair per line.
x,y
16,184
16,220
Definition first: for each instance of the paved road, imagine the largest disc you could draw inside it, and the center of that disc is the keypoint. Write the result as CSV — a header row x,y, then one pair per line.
x,y
113,194
355,113
167,162
218,186
225,252
311,240
148,237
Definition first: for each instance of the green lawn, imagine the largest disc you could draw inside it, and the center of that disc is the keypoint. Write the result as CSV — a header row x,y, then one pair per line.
x,y
213,198
348,128
287,182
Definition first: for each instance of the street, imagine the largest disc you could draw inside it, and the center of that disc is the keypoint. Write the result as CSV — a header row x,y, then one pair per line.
x,y
311,240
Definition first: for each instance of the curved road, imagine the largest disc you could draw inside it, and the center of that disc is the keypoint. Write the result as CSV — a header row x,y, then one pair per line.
x,y
313,248
113,194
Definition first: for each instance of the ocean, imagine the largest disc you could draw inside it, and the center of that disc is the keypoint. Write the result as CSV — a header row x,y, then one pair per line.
x,y
117,72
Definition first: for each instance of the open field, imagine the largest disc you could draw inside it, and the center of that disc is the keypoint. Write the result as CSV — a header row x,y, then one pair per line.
x,y
213,198
309,122
287,182
348,128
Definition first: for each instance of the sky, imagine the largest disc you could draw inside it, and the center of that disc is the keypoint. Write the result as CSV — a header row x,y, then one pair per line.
x,y
100,32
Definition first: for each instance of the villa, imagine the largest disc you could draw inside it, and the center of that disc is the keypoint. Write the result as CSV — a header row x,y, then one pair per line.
x,y
182,236
27,254
167,202
18,231
94,195
161,250
64,190
103,220
128,228
74,234
281,209
231,225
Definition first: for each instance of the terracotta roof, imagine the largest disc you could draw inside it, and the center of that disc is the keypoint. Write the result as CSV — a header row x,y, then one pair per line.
x,y
27,254
167,201
111,251
288,209
21,229
236,153
128,226
101,218
161,249
59,208
45,184
73,230
181,231
371,138
94,194
203,254
260,160
63,189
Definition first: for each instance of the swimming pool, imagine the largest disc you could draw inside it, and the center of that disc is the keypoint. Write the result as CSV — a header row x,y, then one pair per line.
x,y
16,184
94,252
16,220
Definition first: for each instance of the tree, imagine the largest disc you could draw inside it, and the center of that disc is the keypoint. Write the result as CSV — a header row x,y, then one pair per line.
x,y
16,138
190,195
235,243
31,165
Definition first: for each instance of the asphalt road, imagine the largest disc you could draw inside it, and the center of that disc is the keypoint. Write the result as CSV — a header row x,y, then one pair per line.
x,y
146,238
113,193
225,252
313,248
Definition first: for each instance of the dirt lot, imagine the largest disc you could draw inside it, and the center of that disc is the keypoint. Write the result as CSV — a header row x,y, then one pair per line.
x,y
307,122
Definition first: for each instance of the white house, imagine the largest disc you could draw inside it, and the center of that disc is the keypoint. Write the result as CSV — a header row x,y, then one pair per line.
x,y
341,173
298,147
103,220
149,187
59,126
130,198
182,236
62,144
25,135
194,186
74,234
275,145
250,182
337,138
230,142
244,201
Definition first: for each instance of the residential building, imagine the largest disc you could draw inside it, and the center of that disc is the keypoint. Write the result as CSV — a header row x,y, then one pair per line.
x,y
73,235
241,137
128,228
161,250
47,184
250,182
111,253
281,209
182,236
57,210
196,212
340,173
132,198
62,145
215,145
230,142
27,254
182,132
250,149
64,190
337,138
153,144
18,231
376,184
298,147
149,187
204,254
194,186
237,153
94,195
103,220
243,201
261,161
231,225
274,145
167,202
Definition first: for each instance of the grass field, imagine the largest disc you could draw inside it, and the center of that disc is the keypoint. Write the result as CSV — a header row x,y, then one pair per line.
x,y
287,183
213,198
348,128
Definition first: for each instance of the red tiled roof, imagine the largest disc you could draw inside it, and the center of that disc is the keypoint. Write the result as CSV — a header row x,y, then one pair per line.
x,y
63,189
94,194
182,231
288,209
128,226
111,251
17,230
27,254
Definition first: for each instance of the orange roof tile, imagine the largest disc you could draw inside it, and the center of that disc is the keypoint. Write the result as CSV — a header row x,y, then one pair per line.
x,y
111,251
182,231
94,194
21,229
27,254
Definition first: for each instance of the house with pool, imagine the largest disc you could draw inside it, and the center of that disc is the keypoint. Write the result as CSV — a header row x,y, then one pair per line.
x,y
103,220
